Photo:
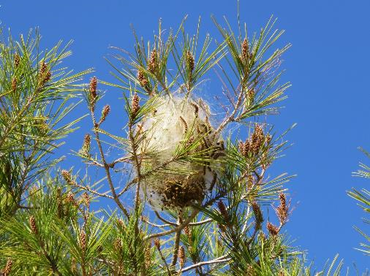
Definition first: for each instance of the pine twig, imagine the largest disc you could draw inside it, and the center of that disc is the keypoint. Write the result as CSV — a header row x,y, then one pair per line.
x,y
176,244
106,166
176,229
222,259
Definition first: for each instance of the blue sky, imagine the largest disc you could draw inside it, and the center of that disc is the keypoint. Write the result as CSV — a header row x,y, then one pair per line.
x,y
329,99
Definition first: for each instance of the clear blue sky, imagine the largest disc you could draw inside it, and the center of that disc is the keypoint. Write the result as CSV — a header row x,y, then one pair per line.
x,y
329,99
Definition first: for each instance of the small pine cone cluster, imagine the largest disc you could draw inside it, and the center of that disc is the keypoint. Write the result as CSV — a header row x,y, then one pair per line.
x,y
83,241
250,271
14,84
251,95
143,81
8,268
153,62
283,210
117,244
93,95
141,78
85,199
135,105
157,243
258,215
245,50
273,230
190,61
182,256
104,113
148,256
17,60
245,57
85,150
67,176
255,144
70,198
93,87
121,224
33,225
44,74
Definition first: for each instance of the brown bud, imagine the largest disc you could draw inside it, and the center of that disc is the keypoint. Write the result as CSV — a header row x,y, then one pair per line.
x,y
182,257
93,86
93,91
148,255
282,211
43,68
70,197
251,95
190,61
261,236
47,77
257,139
273,230
258,131
245,148
117,244
86,199
44,74
17,60
282,200
83,240
14,84
187,231
67,176
135,104
153,62
73,265
250,271
104,113
87,140
245,50
8,267
157,243
121,224
223,210
258,215
86,145
143,80
33,225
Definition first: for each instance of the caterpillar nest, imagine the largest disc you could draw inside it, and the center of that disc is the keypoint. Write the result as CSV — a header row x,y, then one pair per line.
x,y
178,125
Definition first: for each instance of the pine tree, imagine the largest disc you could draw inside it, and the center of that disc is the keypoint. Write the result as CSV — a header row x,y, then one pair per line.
x,y
194,198
363,198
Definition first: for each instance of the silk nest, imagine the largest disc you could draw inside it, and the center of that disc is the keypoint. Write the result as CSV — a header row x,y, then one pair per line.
x,y
177,123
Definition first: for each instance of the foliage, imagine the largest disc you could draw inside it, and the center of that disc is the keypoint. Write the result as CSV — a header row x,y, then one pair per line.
x,y
363,198
52,221
34,96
